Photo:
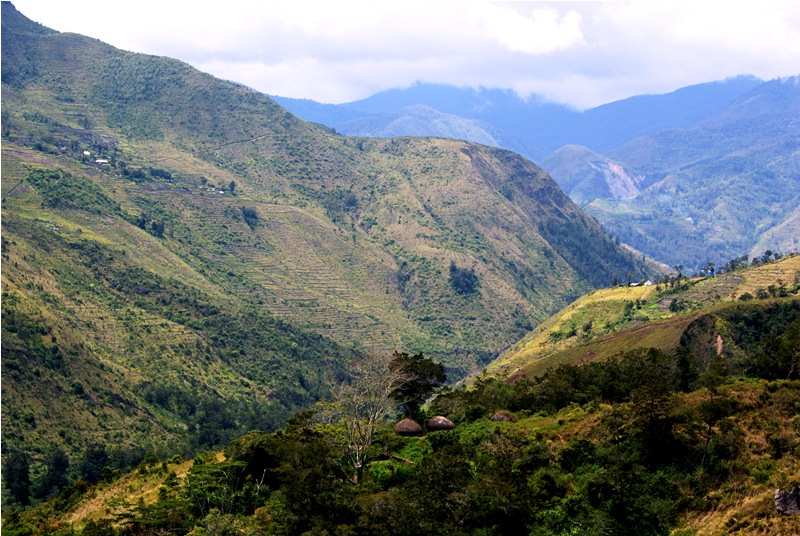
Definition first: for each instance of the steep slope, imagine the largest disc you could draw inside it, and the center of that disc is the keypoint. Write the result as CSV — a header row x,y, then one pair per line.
x,y
585,175
188,246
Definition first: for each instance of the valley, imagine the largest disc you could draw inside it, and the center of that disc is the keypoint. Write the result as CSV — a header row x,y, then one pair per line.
x,y
165,227
215,313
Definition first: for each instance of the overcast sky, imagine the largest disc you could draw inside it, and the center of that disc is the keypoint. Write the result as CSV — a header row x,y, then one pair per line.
x,y
579,53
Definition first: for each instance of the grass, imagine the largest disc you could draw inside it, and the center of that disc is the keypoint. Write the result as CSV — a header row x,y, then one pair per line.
x,y
567,337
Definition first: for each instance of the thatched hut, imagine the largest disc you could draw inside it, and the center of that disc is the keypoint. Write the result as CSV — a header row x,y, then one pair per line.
x,y
440,423
408,427
503,416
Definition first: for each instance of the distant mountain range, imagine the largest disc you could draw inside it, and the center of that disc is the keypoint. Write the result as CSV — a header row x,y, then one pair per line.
x,y
532,127
703,174
728,186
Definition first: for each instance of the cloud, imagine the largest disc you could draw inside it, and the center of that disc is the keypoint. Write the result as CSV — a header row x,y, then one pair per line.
x,y
542,32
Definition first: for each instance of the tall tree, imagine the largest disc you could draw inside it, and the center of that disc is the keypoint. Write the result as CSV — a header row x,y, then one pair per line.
x,y
679,269
361,403
16,474
422,377
55,478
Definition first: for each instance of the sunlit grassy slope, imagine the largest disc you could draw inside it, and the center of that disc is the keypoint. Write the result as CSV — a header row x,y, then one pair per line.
x,y
610,321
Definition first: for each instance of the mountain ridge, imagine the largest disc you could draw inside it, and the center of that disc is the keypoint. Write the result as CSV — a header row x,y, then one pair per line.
x,y
661,160
716,190
533,126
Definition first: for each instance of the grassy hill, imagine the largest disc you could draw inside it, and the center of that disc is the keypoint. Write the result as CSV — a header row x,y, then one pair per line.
x,y
181,250
608,322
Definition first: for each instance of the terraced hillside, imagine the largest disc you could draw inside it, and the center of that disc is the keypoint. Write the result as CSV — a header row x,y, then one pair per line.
x,y
183,242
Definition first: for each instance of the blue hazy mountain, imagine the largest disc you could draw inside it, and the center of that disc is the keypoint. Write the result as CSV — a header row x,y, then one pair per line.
x,y
704,173
531,126
728,186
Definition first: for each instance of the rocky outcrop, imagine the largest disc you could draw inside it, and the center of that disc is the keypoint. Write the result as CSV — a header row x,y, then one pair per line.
x,y
787,500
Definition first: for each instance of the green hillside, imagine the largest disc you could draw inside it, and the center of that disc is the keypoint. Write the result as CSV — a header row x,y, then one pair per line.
x,y
689,440
179,249
608,322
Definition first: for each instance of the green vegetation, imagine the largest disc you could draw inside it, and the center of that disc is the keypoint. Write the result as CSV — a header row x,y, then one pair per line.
x,y
645,443
610,321
462,280
184,262
349,238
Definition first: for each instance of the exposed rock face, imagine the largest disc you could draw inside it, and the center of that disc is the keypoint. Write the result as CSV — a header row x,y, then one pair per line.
x,y
620,183
787,500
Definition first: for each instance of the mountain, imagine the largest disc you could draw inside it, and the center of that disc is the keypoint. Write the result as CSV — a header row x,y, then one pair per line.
x,y
418,120
183,259
608,126
504,114
667,174
725,187
585,175
532,126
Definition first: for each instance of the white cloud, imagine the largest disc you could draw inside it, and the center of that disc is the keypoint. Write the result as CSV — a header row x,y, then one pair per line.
x,y
542,32
678,43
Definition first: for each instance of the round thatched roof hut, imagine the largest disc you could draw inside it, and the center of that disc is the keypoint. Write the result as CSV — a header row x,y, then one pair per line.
x,y
503,416
408,427
440,423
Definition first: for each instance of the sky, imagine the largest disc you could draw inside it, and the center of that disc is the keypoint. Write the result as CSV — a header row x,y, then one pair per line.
x,y
582,54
